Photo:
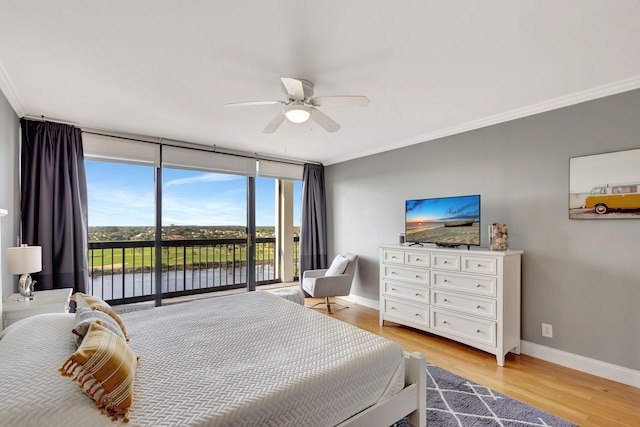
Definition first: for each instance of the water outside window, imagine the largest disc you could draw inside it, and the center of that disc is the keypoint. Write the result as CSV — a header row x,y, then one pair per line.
x,y
203,230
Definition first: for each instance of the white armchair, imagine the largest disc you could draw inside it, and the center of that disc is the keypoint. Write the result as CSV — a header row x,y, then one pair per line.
x,y
331,282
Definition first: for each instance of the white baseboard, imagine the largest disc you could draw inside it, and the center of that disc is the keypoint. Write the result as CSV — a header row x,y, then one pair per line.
x,y
573,361
591,366
367,302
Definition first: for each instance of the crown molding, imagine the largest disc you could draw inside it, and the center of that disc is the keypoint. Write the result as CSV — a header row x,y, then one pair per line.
x,y
7,89
541,107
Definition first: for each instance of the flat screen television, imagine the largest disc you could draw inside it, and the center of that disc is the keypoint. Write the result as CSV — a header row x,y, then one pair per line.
x,y
445,221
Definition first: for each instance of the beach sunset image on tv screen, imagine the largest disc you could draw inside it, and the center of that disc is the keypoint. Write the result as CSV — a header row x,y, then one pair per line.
x,y
448,221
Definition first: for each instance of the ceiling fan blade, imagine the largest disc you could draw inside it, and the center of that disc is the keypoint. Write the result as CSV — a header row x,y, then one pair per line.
x,y
275,123
252,103
294,87
323,120
339,101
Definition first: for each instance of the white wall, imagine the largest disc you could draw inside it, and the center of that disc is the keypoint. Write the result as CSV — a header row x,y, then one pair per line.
x,y
9,197
583,277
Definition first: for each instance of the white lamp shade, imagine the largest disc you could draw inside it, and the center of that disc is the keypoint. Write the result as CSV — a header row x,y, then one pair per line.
x,y
24,259
297,113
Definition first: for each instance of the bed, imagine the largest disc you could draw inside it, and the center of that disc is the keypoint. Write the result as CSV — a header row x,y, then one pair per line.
x,y
246,359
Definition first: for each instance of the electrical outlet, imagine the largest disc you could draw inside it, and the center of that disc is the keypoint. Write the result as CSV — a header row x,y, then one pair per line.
x,y
547,330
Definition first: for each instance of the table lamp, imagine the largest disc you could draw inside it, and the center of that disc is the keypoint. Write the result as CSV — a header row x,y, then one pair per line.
x,y
24,260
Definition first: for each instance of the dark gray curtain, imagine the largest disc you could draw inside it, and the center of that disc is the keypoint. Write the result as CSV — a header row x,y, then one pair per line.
x,y
53,202
313,224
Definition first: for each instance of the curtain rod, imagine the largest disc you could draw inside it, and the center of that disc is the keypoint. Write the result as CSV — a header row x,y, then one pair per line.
x,y
170,142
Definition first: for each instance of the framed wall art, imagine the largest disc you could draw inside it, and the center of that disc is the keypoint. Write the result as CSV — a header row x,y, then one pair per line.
x,y
605,186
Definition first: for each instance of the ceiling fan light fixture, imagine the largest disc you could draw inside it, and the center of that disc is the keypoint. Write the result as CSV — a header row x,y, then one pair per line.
x,y
297,113
301,105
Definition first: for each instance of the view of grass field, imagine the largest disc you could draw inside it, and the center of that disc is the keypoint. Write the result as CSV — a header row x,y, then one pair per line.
x,y
205,254
122,213
132,258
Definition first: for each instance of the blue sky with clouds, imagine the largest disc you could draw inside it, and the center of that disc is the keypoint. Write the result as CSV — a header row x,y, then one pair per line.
x,y
122,194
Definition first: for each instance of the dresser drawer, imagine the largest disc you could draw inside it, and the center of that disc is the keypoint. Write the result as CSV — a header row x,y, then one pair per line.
x,y
478,285
416,276
16,308
479,265
412,312
420,294
12,316
477,306
416,259
445,262
481,331
392,257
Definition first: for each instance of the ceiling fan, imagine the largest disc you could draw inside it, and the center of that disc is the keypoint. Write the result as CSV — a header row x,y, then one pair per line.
x,y
301,105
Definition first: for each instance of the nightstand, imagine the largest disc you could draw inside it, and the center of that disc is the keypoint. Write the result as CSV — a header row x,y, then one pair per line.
x,y
15,308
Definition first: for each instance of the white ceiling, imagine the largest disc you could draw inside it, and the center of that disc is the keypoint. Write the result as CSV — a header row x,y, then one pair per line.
x,y
164,68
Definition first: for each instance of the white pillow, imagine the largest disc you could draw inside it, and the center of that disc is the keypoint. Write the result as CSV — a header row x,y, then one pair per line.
x,y
338,266
85,317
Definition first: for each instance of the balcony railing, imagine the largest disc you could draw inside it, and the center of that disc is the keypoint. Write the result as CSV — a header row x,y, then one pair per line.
x,y
122,272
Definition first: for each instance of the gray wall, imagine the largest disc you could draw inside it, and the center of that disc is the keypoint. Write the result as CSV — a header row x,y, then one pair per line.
x,y
581,276
9,197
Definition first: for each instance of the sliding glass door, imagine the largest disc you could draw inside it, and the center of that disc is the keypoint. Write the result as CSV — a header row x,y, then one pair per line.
x,y
204,231
121,230
216,225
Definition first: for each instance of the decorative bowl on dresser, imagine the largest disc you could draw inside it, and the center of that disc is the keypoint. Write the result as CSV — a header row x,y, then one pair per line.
x,y
470,296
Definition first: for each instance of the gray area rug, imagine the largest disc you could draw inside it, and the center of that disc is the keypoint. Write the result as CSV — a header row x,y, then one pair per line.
x,y
455,401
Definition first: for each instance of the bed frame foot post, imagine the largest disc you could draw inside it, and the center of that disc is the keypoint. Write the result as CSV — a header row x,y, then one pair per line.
x,y
416,373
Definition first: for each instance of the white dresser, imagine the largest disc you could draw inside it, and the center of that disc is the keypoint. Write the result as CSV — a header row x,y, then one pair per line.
x,y
51,301
470,296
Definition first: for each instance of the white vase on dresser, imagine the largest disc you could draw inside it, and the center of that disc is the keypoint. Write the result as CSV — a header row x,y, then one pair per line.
x,y
470,296
3,213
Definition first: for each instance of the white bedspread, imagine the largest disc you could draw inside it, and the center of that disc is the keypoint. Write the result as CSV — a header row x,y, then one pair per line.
x,y
250,359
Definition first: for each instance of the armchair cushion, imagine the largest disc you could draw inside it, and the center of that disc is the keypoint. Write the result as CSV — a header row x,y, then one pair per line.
x,y
313,273
327,286
338,266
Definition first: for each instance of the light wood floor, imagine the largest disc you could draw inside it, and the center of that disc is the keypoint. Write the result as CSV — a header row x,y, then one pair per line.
x,y
581,398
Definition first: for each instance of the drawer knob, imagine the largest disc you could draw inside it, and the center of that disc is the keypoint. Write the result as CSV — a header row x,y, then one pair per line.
x,y
478,285
418,315
477,306
445,281
393,272
393,308
394,257
477,331
393,289
444,322
446,262
478,265
446,300
417,259
418,295
418,276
